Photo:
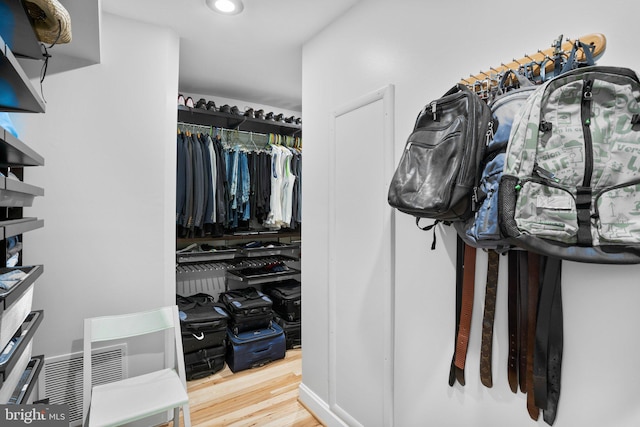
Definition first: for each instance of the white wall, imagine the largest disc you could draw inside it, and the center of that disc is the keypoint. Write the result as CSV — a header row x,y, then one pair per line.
x,y
424,48
108,139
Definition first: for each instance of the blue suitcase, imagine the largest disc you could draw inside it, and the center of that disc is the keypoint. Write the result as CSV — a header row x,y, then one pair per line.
x,y
255,348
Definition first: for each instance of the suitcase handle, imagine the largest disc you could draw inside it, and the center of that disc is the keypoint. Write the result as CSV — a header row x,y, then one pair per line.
x,y
262,350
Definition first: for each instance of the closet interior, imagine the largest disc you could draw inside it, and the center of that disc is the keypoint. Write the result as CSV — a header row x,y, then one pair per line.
x,y
19,370
238,218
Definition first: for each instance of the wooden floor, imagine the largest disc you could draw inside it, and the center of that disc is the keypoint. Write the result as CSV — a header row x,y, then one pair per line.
x,y
264,397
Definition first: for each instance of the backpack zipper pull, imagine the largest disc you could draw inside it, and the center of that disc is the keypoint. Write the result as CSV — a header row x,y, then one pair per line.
x,y
543,173
474,199
490,133
433,110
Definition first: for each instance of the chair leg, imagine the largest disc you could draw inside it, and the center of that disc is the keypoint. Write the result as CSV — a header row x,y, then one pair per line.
x,y
176,416
186,416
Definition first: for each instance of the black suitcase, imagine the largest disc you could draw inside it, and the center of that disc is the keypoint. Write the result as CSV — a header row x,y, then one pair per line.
x,y
292,332
249,309
203,322
286,297
204,362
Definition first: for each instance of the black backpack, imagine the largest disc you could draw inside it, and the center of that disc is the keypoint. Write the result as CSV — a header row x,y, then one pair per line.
x,y
438,168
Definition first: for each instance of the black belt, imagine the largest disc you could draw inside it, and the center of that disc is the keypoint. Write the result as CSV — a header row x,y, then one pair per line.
x,y
533,280
547,361
512,314
523,318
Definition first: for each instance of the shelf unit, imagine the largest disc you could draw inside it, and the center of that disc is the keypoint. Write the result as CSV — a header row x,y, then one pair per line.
x,y
19,370
255,257
23,96
224,268
204,117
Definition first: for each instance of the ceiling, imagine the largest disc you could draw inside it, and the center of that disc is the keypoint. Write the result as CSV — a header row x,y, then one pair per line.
x,y
254,56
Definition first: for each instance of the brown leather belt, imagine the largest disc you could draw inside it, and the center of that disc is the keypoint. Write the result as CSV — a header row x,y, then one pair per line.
x,y
465,311
486,347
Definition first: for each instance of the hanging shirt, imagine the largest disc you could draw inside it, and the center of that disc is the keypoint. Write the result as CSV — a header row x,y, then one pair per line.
x,y
210,216
288,179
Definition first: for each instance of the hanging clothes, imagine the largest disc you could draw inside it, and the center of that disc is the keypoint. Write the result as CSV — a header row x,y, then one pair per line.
x,y
296,169
221,189
210,212
281,188
224,186
287,189
262,184
181,180
207,221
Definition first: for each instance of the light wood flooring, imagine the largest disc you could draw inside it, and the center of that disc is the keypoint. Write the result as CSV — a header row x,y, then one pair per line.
x,y
265,397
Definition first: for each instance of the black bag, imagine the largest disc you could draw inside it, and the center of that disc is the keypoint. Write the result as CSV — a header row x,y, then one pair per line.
x,y
286,297
205,362
438,168
249,308
292,332
203,322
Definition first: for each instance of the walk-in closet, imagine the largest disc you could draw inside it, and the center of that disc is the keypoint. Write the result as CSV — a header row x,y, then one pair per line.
x,y
162,153
238,228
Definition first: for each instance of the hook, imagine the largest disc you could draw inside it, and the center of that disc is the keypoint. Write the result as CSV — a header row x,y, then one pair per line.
x,y
251,140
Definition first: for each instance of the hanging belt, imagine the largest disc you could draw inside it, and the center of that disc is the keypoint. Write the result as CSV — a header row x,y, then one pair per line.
x,y
486,347
465,311
547,361
532,308
555,355
512,315
523,318
459,262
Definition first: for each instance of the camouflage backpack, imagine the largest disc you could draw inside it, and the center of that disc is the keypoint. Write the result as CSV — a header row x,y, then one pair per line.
x,y
571,181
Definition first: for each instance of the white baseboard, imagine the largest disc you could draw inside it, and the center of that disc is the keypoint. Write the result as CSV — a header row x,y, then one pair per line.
x,y
318,407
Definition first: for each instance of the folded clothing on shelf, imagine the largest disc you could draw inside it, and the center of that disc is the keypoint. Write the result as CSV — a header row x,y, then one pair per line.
x,y
274,267
11,278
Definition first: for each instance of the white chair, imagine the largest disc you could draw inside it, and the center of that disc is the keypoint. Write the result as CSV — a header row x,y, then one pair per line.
x,y
138,397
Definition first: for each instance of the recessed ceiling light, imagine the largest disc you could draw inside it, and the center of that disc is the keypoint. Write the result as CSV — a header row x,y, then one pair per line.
x,y
226,7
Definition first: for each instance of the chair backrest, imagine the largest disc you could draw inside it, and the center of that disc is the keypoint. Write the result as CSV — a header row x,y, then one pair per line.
x,y
130,325
123,326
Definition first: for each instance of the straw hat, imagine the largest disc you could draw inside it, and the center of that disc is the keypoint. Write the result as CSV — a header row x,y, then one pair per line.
x,y
50,20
